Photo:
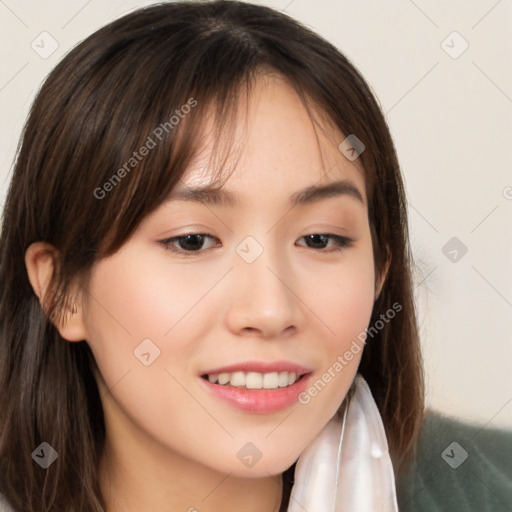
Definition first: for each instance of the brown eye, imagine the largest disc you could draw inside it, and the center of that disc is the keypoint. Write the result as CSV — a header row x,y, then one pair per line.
x,y
190,243
321,241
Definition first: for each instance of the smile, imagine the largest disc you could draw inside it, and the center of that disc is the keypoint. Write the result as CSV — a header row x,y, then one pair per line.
x,y
257,387
254,380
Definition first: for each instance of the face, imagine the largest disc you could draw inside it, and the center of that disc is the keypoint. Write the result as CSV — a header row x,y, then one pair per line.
x,y
272,288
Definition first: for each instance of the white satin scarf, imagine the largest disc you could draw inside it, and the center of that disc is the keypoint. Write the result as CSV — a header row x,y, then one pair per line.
x,y
347,467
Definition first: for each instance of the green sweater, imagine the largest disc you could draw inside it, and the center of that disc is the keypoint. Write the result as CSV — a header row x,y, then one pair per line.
x,y
473,475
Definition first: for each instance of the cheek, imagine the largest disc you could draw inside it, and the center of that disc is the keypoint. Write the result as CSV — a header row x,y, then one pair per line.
x,y
351,312
134,296
343,297
133,300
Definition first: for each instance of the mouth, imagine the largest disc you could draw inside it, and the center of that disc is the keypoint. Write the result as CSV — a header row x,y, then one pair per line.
x,y
257,375
255,380
258,388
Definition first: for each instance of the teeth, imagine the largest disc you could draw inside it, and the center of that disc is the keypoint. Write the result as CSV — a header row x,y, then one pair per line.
x,y
223,378
283,379
255,380
271,380
237,379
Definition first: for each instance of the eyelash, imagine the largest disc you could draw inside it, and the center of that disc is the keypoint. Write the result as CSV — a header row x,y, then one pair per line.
x,y
342,241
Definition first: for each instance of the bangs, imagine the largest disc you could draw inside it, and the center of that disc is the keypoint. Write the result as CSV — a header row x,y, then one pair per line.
x,y
159,126
174,137
172,140
142,101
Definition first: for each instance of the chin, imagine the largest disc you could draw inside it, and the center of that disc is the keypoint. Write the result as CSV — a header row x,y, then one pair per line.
x,y
262,468
259,471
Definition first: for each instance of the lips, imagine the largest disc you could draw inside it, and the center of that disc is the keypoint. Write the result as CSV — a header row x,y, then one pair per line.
x,y
244,385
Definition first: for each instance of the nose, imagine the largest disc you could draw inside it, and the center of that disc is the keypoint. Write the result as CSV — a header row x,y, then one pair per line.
x,y
263,300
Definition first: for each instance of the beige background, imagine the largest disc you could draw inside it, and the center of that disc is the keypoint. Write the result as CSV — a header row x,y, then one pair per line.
x,y
450,113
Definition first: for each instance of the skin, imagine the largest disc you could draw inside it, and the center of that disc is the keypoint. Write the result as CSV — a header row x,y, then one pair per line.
x,y
170,444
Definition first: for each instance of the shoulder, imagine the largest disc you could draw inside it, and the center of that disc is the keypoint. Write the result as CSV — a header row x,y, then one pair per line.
x,y
458,466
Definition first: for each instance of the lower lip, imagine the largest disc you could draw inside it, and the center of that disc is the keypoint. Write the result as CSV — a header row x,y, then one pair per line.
x,y
262,401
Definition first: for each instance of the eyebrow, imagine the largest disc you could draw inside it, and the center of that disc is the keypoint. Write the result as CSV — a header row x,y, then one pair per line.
x,y
213,195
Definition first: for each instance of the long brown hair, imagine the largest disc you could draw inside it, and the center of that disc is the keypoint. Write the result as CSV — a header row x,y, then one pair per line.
x,y
101,104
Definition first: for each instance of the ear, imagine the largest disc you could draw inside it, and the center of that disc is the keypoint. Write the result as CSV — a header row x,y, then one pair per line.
x,y
40,261
381,279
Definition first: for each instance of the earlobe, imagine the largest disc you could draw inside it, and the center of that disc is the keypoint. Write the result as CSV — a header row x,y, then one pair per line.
x,y
40,260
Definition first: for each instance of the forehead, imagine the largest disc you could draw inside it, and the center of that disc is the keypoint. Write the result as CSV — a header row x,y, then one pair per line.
x,y
280,148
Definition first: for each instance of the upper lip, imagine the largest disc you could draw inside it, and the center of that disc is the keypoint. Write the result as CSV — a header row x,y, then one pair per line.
x,y
261,367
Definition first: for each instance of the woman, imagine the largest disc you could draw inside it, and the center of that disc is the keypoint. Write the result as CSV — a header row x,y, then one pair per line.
x,y
206,277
